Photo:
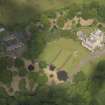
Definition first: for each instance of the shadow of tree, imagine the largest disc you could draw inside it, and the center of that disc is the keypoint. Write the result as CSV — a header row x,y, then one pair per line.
x,y
97,81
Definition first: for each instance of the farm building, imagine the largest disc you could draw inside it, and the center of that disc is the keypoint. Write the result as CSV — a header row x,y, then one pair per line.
x,y
95,40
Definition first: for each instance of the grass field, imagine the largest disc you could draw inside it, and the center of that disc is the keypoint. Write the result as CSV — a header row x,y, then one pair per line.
x,y
52,4
64,54
67,54
48,4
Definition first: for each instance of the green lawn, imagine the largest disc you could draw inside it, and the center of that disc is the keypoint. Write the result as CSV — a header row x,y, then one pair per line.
x,y
48,4
67,50
64,53
52,4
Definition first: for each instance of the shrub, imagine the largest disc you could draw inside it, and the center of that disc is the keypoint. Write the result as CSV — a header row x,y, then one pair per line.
x,y
22,72
42,64
22,85
19,63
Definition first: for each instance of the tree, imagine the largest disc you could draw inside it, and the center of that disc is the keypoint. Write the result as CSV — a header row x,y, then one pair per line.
x,y
80,76
98,77
35,45
22,72
19,63
5,74
42,64
61,21
100,11
73,9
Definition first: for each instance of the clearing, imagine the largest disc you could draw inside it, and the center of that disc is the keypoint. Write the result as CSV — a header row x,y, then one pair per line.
x,y
64,53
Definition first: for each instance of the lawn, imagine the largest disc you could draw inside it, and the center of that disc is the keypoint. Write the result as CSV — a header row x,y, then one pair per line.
x,y
64,54
48,4
44,5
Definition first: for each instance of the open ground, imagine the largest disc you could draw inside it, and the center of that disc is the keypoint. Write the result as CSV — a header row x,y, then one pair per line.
x,y
64,54
70,55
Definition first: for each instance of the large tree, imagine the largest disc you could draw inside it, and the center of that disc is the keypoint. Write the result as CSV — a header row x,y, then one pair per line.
x,y
5,74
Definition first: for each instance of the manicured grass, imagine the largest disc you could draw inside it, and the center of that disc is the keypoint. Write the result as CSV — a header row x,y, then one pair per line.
x,y
58,51
68,54
53,4
48,4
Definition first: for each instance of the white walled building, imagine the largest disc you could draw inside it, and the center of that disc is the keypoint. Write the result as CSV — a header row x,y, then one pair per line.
x,y
95,40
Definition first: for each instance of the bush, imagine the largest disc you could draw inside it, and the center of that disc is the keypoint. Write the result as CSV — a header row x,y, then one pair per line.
x,y
42,64
80,76
33,76
2,93
42,79
22,85
38,78
36,45
6,76
19,63
61,21
22,72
